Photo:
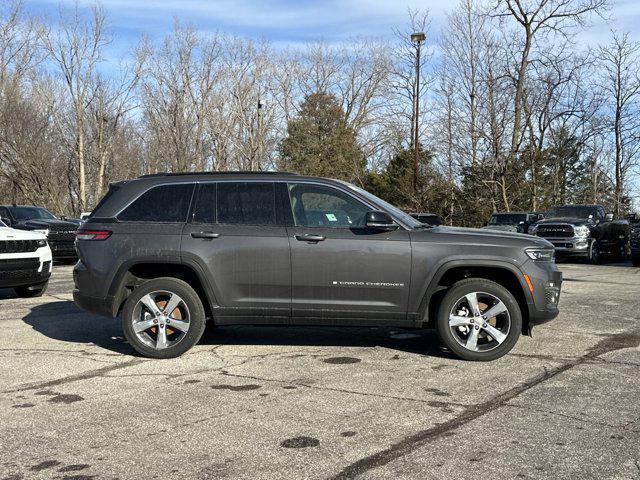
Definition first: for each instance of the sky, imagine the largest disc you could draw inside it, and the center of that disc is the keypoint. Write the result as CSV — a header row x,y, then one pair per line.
x,y
289,22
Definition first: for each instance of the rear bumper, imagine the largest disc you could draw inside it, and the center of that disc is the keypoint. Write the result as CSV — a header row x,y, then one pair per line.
x,y
97,305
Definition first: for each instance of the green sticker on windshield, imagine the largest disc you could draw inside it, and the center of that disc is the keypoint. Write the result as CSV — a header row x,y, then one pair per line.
x,y
331,217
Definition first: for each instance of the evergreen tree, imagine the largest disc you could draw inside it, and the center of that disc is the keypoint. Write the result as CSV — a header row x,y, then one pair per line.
x,y
320,143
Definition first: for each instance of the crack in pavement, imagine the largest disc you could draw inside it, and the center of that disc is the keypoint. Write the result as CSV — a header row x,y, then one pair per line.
x,y
98,372
343,390
413,442
566,416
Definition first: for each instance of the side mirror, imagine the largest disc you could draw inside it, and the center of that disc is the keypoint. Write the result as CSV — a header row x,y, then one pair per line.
x,y
608,217
380,221
6,221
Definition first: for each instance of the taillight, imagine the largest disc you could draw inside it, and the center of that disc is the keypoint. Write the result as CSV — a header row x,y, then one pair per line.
x,y
93,234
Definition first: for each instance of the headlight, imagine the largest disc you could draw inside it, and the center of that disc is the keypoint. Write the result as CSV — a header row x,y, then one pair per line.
x,y
532,229
582,231
45,232
540,254
42,243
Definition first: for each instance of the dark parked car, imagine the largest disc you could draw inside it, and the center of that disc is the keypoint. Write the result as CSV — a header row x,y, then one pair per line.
x,y
169,251
584,231
427,218
512,221
60,234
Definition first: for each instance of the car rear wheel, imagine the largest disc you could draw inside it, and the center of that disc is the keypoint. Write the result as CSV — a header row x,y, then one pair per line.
x,y
31,290
163,318
479,320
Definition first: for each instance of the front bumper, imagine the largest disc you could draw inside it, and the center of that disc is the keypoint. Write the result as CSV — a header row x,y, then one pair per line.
x,y
571,246
63,249
21,272
546,281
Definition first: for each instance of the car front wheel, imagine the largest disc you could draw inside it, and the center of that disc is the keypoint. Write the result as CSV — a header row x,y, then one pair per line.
x,y
163,318
479,320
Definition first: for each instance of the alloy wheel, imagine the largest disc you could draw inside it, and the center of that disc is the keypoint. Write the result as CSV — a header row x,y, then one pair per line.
x,y
479,321
160,319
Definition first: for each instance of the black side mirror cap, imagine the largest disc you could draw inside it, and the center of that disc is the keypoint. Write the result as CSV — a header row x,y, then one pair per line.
x,y
380,221
6,221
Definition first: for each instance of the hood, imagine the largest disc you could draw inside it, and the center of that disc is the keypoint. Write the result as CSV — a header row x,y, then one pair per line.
x,y
46,224
487,236
571,220
8,233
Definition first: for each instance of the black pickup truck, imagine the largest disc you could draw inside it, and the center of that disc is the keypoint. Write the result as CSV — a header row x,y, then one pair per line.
x,y
512,221
583,231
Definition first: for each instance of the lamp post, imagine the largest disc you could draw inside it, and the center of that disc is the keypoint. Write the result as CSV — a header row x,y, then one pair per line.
x,y
417,39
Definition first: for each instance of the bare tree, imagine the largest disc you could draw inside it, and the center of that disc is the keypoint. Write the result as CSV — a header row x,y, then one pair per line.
x,y
620,63
75,48
537,19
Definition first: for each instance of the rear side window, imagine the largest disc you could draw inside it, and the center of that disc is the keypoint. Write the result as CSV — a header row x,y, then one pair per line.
x,y
205,206
165,203
246,203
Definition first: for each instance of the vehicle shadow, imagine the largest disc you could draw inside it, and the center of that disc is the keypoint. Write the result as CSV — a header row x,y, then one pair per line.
x,y
63,321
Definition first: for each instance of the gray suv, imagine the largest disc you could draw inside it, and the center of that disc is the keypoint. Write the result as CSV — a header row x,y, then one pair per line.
x,y
168,252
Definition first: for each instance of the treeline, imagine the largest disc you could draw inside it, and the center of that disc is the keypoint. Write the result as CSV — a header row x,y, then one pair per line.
x,y
515,114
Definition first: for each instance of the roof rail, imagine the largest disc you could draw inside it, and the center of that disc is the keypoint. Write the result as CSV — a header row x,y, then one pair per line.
x,y
238,172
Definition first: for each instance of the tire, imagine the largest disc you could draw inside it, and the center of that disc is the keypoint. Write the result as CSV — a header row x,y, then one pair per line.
x,y
594,254
508,324
31,291
156,335
624,250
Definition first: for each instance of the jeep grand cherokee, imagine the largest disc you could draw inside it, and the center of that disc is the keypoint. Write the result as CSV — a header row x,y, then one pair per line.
x,y
169,251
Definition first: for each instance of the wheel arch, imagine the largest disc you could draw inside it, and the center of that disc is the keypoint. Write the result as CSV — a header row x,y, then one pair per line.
x,y
135,272
504,273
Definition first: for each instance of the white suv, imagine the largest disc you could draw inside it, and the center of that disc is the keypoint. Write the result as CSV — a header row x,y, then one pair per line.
x,y
25,261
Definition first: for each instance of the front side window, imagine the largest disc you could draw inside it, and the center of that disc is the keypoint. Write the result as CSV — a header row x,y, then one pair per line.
x,y
246,203
162,204
320,206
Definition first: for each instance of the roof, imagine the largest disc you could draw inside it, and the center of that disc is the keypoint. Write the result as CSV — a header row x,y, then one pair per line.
x,y
193,174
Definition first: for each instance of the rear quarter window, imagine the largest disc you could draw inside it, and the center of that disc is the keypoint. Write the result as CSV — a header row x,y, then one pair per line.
x,y
163,204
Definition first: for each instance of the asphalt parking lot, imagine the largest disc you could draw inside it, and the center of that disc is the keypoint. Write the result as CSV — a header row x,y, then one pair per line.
x,y
271,402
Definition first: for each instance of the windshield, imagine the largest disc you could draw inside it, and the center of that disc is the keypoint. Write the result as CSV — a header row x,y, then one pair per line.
x,y
507,219
395,211
31,213
576,212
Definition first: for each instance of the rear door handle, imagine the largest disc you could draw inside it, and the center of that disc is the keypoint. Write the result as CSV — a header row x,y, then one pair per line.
x,y
310,238
204,235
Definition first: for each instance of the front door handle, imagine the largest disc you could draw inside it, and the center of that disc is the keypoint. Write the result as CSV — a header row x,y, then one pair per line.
x,y
204,235
310,238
